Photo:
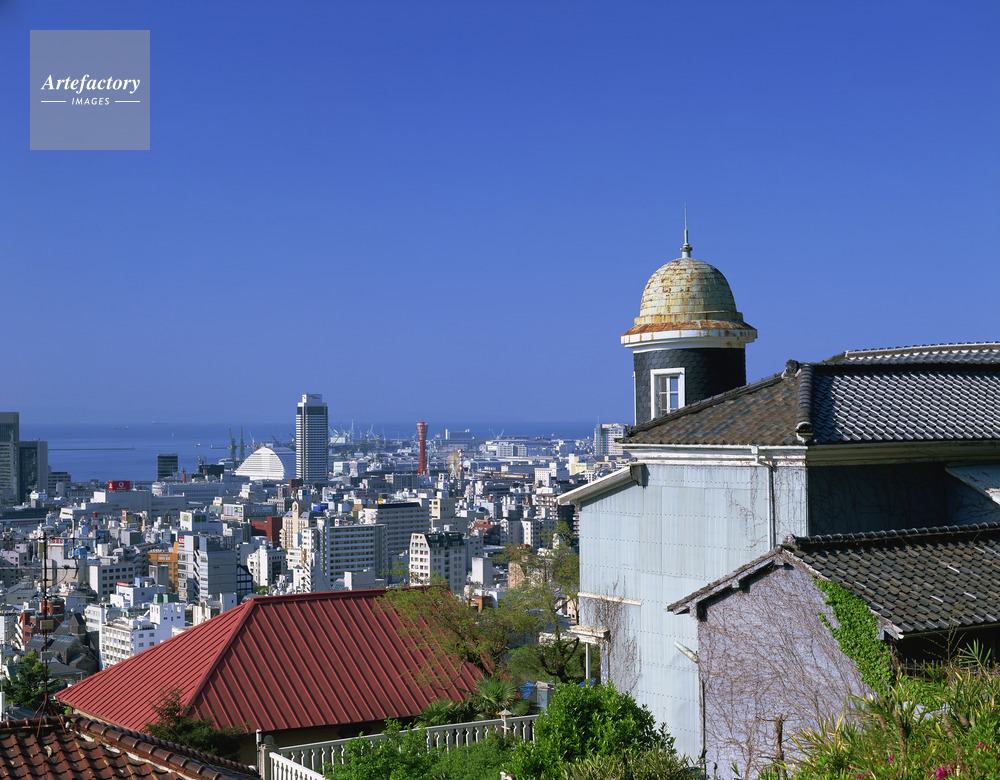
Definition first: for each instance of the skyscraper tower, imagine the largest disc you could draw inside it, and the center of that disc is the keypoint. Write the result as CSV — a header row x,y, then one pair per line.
x,y
688,342
167,464
311,437
422,439
10,434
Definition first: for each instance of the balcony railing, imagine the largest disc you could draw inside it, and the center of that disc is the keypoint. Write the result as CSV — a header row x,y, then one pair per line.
x,y
306,762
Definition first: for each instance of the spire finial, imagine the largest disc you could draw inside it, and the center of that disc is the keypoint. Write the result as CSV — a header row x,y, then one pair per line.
x,y
686,249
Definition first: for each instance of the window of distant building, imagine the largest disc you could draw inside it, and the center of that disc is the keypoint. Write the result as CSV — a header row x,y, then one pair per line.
x,y
666,390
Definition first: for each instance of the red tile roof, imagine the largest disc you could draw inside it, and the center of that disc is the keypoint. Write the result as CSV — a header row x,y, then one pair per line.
x,y
75,748
276,663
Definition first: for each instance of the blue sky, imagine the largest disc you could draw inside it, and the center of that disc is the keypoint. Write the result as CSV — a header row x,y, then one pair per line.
x,y
448,210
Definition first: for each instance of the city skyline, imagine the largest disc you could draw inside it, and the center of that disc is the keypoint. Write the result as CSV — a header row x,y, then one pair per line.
x,y
449,211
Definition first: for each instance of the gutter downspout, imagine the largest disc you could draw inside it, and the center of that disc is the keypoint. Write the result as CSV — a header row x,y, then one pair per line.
x,y
772,526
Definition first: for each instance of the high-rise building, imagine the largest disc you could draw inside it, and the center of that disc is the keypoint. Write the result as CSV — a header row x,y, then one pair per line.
x,y
311,437
10,433
32,468
166,465
59,482
401,519
346,545
205,567
606,436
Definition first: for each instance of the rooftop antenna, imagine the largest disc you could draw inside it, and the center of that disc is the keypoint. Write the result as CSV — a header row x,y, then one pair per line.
x,y
686,249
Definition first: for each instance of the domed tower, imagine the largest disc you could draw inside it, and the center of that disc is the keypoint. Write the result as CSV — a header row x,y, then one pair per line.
x,y
688,342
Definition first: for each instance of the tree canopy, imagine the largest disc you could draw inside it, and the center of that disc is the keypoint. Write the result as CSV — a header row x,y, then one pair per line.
x,y
548,581
27,684
175,723
530,615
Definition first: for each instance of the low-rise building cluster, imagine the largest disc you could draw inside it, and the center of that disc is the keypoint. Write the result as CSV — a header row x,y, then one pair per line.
x,y
92,574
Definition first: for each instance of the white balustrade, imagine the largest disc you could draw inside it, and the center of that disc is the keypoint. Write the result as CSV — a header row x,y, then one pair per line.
x,y
312,758
285,769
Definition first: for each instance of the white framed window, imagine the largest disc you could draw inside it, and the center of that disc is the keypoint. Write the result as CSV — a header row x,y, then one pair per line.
x,y
666,390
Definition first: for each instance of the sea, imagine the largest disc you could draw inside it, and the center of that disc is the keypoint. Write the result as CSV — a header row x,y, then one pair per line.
x,y
127,451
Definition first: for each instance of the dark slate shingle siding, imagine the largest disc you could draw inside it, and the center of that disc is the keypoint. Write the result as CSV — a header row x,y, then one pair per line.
x,y
707,372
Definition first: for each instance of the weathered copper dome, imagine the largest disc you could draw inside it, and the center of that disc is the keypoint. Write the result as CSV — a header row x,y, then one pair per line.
x,y
687,290
689,295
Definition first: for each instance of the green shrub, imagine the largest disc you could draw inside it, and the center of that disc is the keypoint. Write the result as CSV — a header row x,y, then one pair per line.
x,y
402,755
917,729
583,722
658,763
481,761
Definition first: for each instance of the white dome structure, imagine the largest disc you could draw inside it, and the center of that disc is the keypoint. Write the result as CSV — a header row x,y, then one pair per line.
x,y
269,464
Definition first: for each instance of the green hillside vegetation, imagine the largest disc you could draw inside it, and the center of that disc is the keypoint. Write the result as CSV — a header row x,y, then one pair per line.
x,y
945,724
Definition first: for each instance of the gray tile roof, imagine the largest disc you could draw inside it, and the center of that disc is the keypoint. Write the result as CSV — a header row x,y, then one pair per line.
x,y
930,393
918,403
980,352
919,580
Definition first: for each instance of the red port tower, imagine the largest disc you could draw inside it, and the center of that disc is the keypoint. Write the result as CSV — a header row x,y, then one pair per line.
x,y
422,439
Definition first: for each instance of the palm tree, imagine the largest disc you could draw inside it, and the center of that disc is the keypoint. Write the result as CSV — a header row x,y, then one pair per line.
x,y
494,695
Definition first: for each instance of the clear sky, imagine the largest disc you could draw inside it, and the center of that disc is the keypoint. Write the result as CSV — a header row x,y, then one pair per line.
x,y
448,210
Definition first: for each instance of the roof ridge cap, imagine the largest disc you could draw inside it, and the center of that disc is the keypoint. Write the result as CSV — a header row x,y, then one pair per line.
x,y
698,405
888,367
233,631
803,424
889,536
972,346
317,595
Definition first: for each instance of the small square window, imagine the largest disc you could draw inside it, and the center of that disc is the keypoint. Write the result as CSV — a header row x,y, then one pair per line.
x,y
667,390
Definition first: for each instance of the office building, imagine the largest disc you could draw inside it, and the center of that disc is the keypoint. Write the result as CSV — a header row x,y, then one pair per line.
x,y
59,482
311,437
10,434
166,465
32,468
606,436
401,519
104,574
266,564
346,545
205,568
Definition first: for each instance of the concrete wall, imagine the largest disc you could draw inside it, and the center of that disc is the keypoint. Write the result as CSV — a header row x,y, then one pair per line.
x,y
766,662
646,547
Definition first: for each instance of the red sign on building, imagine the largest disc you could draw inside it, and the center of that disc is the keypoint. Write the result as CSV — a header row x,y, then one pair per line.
x,y
119,484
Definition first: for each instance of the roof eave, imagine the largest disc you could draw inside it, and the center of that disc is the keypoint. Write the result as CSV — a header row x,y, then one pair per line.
x,y
634,473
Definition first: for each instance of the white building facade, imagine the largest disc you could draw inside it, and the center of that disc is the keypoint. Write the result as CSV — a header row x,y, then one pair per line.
x,y
438,556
